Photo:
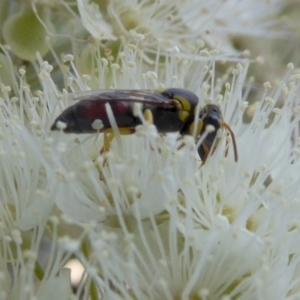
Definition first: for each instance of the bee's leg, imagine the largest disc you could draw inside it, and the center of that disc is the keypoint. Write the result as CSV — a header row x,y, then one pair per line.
x,y
203,151
107,139
196,134
181,145
148,116
109,136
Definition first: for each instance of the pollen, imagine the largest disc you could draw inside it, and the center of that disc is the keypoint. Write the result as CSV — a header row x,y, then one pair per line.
x,y
204,53
6,89
295,151
41,193
87,166
97,124
134,191
131,64
235,72
16,236
214,52
61,125
131,46
291,66
25,88
210,128
115,66
269,100
151,75
276,111
244,105
203,293
104,61
297,109
54,220
68,57
200,43
239,68
267,85
264,168
69,81
260,60
86,77
34,123
22,71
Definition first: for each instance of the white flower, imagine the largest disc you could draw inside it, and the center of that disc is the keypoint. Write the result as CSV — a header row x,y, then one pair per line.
x,y
93,21
217,21
26,197
170,229
146,219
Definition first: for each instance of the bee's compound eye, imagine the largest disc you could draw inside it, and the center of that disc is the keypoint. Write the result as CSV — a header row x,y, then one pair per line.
x,y
215,110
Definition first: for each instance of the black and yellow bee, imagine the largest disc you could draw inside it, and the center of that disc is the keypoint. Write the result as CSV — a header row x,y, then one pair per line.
x,y
170,110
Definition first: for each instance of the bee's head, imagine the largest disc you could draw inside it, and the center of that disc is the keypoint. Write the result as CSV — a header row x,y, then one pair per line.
x,y
210,114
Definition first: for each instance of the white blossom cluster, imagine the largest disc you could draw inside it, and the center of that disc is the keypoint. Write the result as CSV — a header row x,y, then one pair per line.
x,y
146,219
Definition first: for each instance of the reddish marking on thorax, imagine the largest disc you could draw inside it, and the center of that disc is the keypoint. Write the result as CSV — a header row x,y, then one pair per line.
x,y
93,109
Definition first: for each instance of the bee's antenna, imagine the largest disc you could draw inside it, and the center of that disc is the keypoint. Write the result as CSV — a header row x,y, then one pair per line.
x,y
226,126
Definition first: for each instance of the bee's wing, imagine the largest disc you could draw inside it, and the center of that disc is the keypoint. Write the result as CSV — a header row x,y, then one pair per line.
x,y
138,96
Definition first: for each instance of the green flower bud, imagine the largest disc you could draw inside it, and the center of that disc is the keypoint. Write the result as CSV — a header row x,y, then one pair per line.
x,y
6,72
25,34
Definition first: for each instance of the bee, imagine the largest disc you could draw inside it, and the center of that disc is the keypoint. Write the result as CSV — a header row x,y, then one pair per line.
x,y
170,110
